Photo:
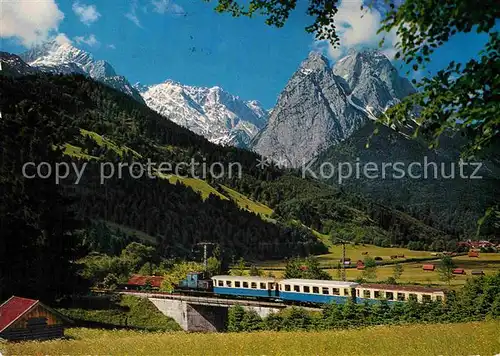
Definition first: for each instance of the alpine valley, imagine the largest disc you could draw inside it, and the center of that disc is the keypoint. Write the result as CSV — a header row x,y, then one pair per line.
x,y
64,105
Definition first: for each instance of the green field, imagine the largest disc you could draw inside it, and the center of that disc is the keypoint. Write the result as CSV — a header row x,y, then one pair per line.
x,y
198,185
413,273
355,252
482,338
104,142
248,204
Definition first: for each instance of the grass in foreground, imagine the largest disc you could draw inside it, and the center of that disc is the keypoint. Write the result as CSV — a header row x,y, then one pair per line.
x,y
449,339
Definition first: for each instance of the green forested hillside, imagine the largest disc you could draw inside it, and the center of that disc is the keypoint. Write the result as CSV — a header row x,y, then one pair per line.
x,y
451,204
82,122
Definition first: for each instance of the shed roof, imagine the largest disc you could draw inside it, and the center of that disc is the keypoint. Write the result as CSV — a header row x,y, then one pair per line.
x,y
138,280
13,309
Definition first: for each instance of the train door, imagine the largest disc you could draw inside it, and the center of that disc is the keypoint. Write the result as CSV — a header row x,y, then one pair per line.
x,y
353,294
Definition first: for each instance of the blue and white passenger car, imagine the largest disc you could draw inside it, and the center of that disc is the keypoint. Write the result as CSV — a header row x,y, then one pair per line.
x,y
317,291
245,286
374,293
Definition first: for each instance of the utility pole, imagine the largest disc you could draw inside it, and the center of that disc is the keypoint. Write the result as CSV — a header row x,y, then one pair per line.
x,y
342,271
205,255
343,260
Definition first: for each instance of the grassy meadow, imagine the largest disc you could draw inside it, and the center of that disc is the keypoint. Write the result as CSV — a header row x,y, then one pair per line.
x,y
481,338
248,204
413,273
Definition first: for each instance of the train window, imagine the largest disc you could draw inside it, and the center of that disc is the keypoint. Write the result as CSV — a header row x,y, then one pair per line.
x,y
316,290
271,286
426,297
377,294
325,290
412,296
307,289
357,292
262,286
228,283
389,295
401,297
346,291
237,284
220,283
253,285
296,288
335,291
439,298
287,288
245,284
366,294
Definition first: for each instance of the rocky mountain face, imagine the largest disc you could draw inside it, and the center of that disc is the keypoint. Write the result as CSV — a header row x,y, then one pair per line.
x,y
53,57
322,106
311,114
373,82
211,112
13,65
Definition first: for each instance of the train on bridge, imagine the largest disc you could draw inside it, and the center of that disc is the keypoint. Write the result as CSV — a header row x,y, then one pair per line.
x,y
305,291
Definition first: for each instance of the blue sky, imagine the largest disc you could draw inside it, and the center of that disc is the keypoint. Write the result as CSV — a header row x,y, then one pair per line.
x,y
154,40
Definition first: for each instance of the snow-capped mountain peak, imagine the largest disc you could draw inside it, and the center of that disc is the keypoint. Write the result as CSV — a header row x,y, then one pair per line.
x,y
372,78
56,54
322,106
221,117
209,111
64,58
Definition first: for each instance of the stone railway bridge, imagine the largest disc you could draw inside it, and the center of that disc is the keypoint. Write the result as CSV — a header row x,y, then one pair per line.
x,y
196,313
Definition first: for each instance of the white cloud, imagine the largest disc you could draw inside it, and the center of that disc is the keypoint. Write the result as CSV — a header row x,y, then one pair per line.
x,y
111,46
90,40
29,21
61,38
167,6
132,14
86,13
358,28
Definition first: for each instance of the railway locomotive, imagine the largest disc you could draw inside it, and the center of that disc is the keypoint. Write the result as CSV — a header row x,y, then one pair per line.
x,y
305,291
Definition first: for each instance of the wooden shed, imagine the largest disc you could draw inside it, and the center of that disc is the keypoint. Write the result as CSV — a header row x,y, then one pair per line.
x,y
428,267
29,319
